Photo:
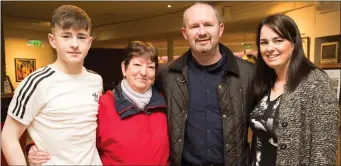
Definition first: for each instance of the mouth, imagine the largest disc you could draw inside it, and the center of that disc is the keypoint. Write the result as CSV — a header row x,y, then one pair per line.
x,y
73,52
142,79
272,56
202,40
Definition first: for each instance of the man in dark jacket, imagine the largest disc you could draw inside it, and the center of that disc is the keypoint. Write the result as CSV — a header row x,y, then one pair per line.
x,y
207,92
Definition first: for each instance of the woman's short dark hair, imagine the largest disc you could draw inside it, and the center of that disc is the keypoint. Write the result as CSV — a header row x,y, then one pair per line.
x,y
299,66
140,49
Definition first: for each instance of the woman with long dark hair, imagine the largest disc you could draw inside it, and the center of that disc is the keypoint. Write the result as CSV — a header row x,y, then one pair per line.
x,y
296,119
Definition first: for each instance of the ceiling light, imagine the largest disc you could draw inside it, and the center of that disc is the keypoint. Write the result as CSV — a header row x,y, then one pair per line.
x,y
169,6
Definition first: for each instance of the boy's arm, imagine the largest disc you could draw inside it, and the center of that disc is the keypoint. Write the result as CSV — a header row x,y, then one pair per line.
x,y
27,101
10,136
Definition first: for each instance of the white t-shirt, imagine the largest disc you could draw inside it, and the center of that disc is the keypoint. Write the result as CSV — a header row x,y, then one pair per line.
x,y
60,111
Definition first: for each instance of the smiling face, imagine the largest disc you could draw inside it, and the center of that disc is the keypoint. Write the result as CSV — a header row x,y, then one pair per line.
x,y
275,50
201,28
71,45
140,73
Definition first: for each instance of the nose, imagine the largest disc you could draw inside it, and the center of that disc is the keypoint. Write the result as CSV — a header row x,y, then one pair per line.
x,y
270,47
143,70
74,43
202,31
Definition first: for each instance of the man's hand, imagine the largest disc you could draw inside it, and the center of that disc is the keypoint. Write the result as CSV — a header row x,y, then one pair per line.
x,y
37,157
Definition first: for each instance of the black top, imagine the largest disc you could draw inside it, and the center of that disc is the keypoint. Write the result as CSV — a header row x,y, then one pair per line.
x,y
204,141
264,124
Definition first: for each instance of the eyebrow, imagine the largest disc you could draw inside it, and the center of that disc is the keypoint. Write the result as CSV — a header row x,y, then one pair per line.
x,y
193,24
274,38
82,34
78,34
66,33
208,22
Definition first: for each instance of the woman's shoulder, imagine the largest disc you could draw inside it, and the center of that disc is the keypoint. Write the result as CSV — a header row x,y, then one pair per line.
x,y
318,74
316,77
106,103
317,83
312,83
107,96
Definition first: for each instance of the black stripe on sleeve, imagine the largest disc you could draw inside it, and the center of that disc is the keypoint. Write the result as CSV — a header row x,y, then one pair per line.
x,y
26,90
24,87
31,92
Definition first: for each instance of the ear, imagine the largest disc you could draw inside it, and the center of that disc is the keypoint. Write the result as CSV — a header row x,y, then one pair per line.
x,y
183,30
221,29
52,40
292,47
90,41
123,69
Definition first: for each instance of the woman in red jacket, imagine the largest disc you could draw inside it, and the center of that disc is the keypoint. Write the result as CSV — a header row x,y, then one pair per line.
x,y
132,123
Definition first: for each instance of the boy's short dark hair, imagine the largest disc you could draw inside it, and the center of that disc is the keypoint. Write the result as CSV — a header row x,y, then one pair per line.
x,y
69,16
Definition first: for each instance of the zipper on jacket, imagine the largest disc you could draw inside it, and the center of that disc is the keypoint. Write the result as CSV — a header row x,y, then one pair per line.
x,y
242,99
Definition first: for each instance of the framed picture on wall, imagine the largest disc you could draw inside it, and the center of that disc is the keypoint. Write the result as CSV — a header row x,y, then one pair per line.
x,y
329,52
334,75
306,45
8,87
23,67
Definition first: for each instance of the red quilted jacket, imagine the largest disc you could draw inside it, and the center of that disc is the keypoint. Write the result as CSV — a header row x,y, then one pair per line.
x,y
127,135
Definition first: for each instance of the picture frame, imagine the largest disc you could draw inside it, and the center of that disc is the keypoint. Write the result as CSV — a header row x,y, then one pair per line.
x,y
334,75
329,52
306,46
8,86
23,68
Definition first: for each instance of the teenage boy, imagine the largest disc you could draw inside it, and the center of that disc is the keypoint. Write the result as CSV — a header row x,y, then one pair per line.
x,y
58,103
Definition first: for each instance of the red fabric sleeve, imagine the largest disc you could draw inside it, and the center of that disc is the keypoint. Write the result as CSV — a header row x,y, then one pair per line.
x,y
28,147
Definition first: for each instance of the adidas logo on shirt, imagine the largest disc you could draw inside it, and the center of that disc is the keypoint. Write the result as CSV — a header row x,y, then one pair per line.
x,y
96,96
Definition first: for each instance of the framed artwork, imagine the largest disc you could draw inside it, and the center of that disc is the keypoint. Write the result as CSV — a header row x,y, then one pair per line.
x,y
334,75
8,87
23,67
306,46
329,52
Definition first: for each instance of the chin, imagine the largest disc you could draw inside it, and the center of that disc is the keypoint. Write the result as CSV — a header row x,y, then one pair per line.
x,y
141,86
273,65
204,50
76,61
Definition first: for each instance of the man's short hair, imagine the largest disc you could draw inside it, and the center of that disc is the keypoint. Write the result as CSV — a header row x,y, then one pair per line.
x,y
69,16
201,3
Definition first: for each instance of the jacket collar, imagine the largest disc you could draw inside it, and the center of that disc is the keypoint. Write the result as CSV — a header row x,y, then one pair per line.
x,y
232,66
126,108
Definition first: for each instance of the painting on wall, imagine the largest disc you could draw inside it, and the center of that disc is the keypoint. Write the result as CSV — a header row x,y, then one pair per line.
x,y
8,87
23,67
329,52
306,45
334,75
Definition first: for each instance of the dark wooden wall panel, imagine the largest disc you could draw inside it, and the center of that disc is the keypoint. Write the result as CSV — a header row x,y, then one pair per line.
x,y
107,63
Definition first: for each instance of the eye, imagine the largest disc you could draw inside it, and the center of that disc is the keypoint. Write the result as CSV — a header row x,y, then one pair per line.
x,y
263,43
278,41
208,25
81,37
137,64
151,67
195,26
65,36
